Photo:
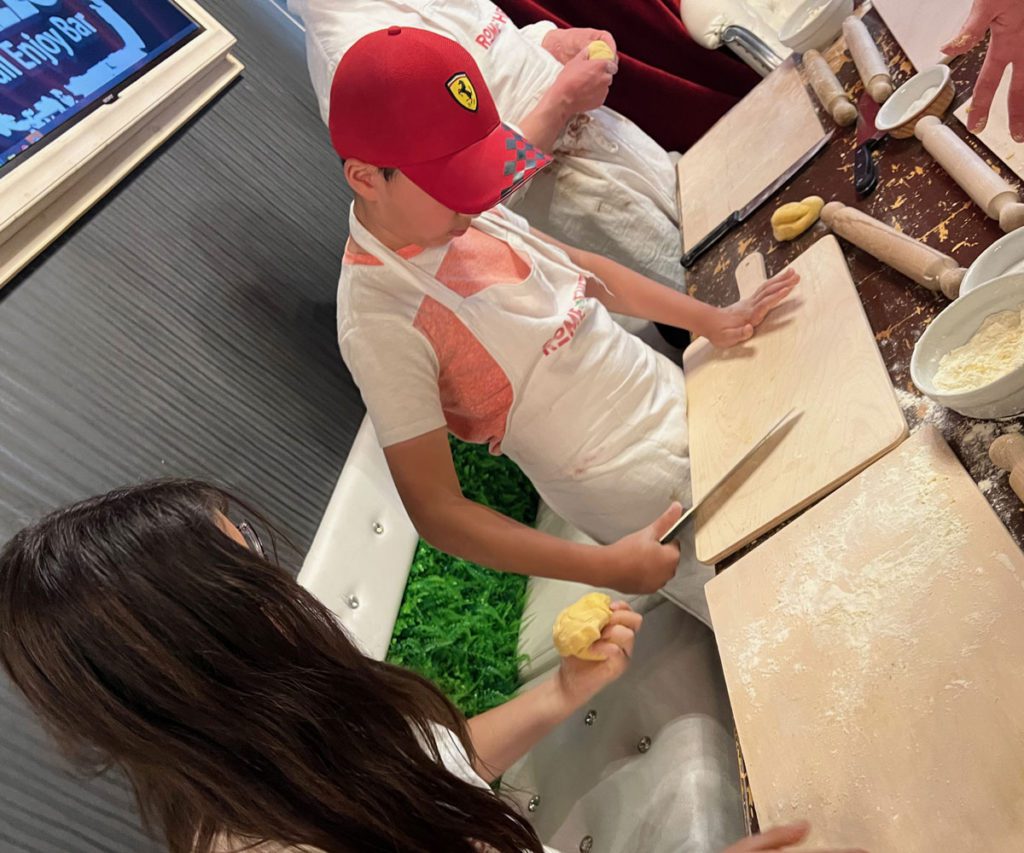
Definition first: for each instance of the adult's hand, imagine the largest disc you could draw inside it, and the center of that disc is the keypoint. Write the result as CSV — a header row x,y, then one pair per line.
x,y
563,45
1005,18
782,838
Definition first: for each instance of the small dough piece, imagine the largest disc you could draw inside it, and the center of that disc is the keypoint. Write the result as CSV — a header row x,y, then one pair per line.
x,y
580,625
599,50
791,220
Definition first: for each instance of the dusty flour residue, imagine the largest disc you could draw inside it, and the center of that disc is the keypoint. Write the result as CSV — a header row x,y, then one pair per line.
x,y
851,611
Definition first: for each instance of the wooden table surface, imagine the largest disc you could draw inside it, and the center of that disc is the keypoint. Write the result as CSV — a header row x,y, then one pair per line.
x,y
916,196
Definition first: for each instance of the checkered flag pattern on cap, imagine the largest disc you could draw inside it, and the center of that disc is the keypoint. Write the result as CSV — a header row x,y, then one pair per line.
x,y
523,158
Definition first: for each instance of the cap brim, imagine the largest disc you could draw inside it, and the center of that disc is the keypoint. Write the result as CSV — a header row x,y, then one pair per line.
x,y
481,175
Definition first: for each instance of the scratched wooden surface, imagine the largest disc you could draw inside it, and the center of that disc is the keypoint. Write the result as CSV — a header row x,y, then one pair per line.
x,y
916,196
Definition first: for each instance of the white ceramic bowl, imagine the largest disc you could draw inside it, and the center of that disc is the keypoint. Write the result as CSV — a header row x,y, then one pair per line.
x,y
1004,256
954,327
815,24
899,108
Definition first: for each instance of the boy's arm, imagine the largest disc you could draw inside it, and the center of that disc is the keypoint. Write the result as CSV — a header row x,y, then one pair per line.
x,y
425,476
636,295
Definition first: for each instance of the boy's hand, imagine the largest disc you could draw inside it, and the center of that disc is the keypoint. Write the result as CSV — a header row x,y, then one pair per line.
x,y
639,562
736,323
782,838
583,84
1006,20
563,45
579,680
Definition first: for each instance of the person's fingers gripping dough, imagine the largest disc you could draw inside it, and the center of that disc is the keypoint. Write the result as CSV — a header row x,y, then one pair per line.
x,y
580,625
599,50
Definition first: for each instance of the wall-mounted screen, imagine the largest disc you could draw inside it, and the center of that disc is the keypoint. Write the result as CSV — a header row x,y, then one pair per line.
x,y
60,59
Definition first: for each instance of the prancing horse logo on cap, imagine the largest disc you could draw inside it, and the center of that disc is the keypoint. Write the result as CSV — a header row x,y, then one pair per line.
x,y
462,90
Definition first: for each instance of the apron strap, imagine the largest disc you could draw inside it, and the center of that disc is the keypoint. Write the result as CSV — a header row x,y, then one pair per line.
x,y
419,278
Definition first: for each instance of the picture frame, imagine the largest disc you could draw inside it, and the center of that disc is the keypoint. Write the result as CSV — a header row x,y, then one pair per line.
x,y
43,196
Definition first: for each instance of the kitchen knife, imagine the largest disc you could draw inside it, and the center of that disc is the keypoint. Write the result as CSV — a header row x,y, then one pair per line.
x,y
686,516
869,137
736,217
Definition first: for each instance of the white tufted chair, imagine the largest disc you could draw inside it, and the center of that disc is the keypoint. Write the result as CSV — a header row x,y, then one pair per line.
x,y
650,766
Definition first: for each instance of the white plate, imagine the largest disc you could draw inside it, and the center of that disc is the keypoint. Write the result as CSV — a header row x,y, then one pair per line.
x,y
1004,256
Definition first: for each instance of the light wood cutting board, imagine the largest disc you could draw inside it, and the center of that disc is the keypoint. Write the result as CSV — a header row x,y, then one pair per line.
x,y
747,149
922,26
815,353
996,134
873,655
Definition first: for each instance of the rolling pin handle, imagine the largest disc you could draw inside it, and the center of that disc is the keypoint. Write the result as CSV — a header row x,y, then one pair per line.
x,y
950,281
1007,452
1011,217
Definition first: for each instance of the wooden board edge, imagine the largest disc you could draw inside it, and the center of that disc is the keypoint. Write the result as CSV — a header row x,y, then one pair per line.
x,y
900,434
61,209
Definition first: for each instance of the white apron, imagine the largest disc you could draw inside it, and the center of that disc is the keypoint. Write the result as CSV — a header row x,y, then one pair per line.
x,y
612,189
598,421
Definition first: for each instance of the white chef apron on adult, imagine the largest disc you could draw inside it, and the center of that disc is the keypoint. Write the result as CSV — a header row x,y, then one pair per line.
x,y
598,420
612,189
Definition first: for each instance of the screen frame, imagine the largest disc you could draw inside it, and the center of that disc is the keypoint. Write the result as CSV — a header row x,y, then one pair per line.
x,y
108,98
44,194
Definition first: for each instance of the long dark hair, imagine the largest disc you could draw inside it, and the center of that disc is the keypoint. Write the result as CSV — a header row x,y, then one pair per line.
x,y
148,639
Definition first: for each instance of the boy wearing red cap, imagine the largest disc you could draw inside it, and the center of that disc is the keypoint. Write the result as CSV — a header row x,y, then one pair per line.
x,y
455,316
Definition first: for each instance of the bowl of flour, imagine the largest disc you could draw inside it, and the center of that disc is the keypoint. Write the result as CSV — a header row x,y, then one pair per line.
x,y
971,357
815,24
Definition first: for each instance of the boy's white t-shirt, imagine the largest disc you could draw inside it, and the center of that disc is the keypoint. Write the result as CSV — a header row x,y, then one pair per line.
x,y
419,368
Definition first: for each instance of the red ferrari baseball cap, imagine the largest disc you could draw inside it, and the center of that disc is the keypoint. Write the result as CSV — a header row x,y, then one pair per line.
x,y
413,100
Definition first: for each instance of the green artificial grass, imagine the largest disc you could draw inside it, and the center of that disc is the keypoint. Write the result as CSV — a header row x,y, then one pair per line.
x,y
459,623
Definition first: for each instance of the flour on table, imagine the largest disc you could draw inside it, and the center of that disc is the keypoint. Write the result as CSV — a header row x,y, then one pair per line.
x,y
997,348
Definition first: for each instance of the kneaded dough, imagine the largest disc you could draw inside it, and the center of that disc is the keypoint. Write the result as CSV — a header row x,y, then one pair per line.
x,y
599,50
580,625
791,220
997,348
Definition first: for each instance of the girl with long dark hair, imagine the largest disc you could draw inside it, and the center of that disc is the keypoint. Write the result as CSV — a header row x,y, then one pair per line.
x,y
152,634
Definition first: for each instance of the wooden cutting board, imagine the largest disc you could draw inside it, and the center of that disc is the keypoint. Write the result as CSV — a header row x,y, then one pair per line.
x,y
873,655
747,149
815,353
996,134
922,26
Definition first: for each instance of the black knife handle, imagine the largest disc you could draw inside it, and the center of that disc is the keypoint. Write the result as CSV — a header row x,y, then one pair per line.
x,y
730,222
865,170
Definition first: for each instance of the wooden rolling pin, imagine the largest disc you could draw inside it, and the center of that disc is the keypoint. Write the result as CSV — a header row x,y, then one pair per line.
x,y
917,261
868,59
990,192
1007,452
828,89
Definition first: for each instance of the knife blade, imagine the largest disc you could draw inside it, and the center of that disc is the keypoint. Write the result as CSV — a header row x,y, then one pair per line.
x,y
675,529
736,217
869,137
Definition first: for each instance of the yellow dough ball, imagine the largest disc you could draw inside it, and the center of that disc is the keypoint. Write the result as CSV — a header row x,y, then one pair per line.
x,y
599,50
580,625
791,220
